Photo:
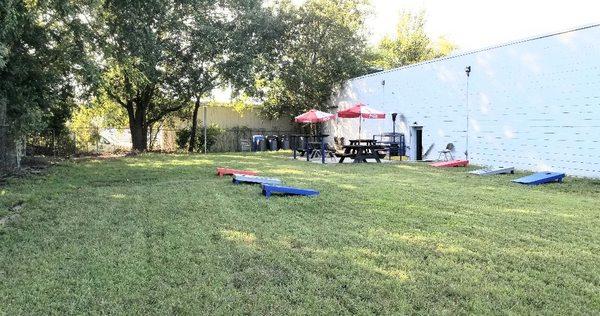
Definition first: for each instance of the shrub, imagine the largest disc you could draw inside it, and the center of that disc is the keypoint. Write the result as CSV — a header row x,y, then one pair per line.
x,y
212,133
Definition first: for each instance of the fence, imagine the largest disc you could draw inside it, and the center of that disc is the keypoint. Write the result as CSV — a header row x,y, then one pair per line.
x,y
96,141
234,140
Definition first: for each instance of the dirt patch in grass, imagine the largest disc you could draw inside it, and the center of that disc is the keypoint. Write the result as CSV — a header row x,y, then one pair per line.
x,y
29,166
14,215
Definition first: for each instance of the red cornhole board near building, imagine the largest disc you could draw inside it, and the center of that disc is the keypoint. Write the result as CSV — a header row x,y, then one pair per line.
x,y
229,172
452,163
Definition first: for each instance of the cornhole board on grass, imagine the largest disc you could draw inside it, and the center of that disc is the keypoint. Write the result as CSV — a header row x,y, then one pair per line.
x,y
451,163
268,190
226,171
241,178
492,171
541,178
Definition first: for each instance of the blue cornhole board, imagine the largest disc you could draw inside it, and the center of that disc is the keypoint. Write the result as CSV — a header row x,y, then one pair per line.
x,y
240,178
541,178
268,189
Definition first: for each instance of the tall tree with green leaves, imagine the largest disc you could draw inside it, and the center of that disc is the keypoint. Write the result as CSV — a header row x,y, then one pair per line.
x,y
225,48
410,44
322,46
158,55
40,61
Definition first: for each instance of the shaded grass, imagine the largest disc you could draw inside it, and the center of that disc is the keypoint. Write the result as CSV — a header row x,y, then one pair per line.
x,y
161,234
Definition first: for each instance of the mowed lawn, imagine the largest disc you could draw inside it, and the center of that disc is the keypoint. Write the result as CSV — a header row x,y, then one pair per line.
x,y
157,234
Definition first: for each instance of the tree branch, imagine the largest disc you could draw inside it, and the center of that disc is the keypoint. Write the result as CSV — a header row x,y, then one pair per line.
x,y
115,98
162,113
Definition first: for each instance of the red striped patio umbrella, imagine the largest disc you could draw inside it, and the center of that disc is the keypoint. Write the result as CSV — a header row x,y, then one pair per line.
x,y
314,116
361,111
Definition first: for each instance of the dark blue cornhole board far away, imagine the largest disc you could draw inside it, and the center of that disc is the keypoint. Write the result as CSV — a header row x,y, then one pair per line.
x,y
541,178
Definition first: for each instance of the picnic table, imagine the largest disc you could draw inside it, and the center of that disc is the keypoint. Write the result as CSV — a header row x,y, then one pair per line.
x,y
360,153
367,142
309,144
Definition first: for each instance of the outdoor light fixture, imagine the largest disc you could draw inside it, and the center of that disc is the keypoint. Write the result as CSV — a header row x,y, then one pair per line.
x,y
383,82
468,72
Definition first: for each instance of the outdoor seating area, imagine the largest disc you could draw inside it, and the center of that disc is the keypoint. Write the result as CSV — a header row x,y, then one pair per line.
x,y
358,150
299,157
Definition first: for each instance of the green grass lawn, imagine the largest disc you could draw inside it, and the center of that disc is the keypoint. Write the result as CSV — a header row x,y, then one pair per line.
x,y
162,234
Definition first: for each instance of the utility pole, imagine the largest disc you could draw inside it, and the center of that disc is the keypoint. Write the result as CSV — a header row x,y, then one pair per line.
x,y
204,126
468,72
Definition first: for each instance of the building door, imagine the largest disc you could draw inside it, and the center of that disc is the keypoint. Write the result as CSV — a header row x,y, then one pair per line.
x,y
419,144
416,143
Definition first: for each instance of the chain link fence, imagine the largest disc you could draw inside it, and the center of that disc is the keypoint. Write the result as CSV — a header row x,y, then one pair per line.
x,y
236,140
92,141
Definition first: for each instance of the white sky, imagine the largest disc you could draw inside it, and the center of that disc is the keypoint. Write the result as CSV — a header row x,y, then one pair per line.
x,y
473,24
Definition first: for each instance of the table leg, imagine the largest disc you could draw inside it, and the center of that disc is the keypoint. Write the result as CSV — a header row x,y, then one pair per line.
x,y
359,158
322,151
376,155
307,149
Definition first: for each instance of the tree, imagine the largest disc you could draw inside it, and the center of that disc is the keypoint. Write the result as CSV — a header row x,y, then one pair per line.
x,y
40,60
322,46
224,50
157,55
410,44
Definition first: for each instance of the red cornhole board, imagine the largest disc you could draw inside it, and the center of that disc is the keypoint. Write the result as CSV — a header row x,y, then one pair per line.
x,y
226,171
452,163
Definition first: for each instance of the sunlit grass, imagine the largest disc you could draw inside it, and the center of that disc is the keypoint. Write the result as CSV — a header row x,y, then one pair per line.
x,y
161,234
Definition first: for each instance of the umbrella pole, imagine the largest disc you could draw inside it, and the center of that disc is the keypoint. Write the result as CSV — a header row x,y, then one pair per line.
x,y
359,126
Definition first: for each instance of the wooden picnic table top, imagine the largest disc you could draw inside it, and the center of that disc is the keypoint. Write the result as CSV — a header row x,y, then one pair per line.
x,y
310,136
364,146
365,140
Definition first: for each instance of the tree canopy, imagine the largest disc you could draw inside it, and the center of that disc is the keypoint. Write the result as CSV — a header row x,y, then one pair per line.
x,y
410,44
39,60
159,54
322,46
157,58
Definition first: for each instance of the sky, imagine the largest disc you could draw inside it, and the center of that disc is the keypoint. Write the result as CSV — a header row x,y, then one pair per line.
x,y
473,24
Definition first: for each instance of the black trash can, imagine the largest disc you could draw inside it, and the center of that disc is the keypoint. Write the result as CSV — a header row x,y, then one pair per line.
x,y
258,143
273,142
284,142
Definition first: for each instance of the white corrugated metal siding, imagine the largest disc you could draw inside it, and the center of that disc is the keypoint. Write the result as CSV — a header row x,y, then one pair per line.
x,y
533,104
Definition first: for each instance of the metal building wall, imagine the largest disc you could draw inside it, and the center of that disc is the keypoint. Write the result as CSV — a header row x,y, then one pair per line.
x,y
532,104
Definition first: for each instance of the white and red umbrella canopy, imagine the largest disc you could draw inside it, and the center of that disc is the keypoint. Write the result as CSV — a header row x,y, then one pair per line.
x,y
314,116
361,111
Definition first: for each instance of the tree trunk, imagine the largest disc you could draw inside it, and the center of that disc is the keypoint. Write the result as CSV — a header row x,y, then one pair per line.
x,y
139,137
137,126
5,162
142,113
194,126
